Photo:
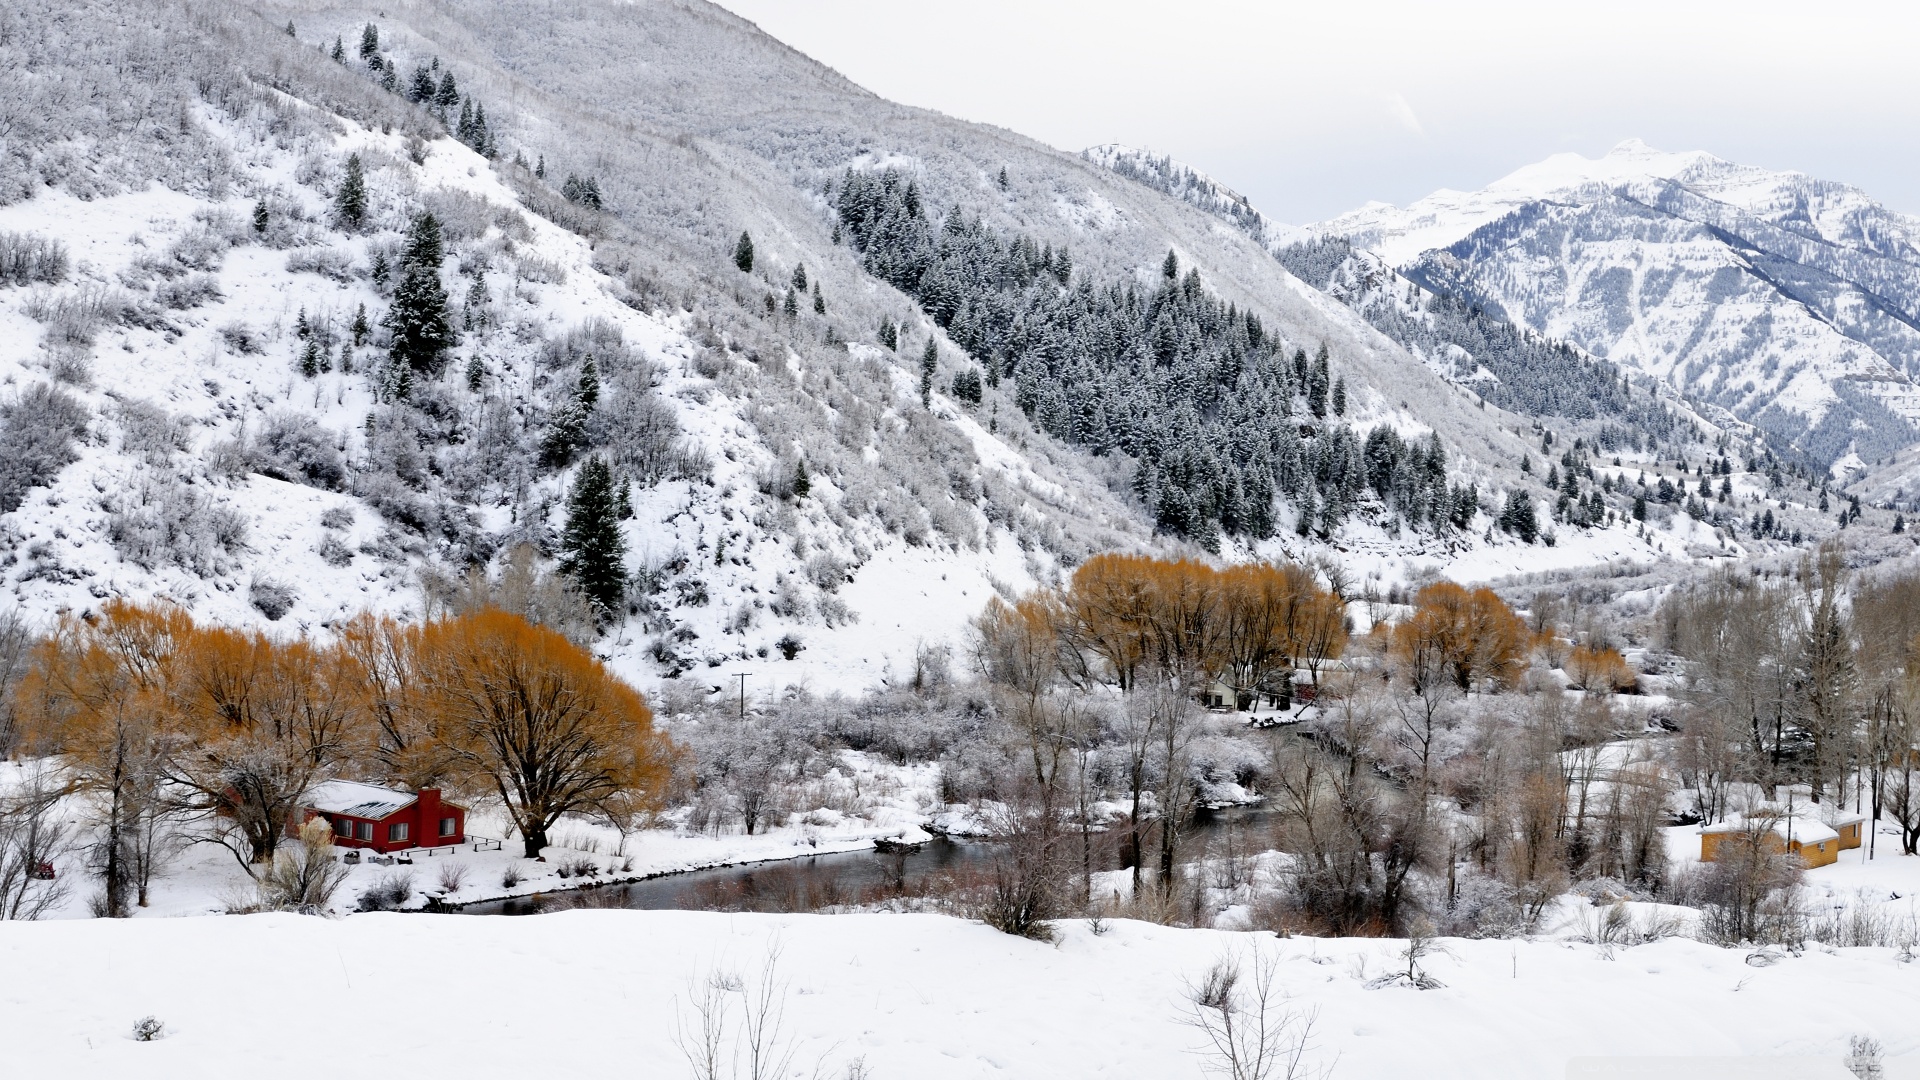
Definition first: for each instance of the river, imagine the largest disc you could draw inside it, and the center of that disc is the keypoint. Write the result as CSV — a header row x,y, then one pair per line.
x,y
844,877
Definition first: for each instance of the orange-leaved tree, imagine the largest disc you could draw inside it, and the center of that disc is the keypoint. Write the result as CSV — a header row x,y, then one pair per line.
x,y
1465,636
265,720
1599,669
536,719
1017,647
93,694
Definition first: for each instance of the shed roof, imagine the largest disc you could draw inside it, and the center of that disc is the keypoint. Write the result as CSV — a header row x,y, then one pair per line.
x,y
1800,830
359,800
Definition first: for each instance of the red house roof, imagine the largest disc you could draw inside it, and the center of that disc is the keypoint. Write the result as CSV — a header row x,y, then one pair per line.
x,y
358,800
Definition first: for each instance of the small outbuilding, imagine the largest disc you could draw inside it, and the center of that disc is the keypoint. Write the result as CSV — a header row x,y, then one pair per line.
x,y
1816,842
384,819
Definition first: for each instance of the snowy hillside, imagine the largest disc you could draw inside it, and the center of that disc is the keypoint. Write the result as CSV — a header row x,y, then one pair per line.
x,y
1786,300
203,402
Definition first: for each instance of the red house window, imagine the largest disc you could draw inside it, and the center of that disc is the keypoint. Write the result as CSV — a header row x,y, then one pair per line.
x,y
446,826
366,831
397,832
343,827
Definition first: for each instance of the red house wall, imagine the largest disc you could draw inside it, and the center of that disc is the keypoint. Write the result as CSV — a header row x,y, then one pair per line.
x,y
422,819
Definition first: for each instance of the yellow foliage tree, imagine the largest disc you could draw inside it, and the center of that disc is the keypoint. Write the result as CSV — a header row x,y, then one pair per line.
x,y
1465,636
537,719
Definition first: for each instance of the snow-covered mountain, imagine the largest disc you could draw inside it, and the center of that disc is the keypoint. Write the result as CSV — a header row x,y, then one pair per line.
x,y
1791,302
194,405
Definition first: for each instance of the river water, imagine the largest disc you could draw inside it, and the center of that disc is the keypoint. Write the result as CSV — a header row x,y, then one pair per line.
x,y
845,877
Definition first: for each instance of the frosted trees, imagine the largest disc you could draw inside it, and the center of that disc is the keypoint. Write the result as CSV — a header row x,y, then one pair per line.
x,y
350,201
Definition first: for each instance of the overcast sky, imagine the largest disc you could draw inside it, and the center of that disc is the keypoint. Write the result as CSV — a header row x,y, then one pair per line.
x,y
1314,108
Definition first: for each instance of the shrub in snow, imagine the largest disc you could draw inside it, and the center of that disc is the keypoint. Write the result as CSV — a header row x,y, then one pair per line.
x,y
150,433
453,874
37,432
271,598
147,1029
510,877
75,315
26,259
333,551
304,875
165,522
390,892
294,447
329,263
188,292
337,517
241,338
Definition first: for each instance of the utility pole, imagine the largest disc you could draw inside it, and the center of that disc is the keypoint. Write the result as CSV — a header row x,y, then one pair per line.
x,y
742,676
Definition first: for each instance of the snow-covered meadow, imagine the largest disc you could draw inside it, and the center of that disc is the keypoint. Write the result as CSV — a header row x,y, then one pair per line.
x,y
908,995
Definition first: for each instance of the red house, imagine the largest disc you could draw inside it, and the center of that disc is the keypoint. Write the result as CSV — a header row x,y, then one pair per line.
x,y
386,820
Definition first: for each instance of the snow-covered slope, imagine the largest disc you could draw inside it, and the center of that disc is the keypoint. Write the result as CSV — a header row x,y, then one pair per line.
x,y
1787,300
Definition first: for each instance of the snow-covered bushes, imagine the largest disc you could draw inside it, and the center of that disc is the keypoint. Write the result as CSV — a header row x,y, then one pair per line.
x,y
271,598
28,259
150,433
37,432
330,263
294,447
166,522
188,292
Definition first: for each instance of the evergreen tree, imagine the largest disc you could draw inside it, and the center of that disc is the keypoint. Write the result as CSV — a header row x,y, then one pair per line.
x,y
566,433
588,393
389,78
889,334
819,302
1640,506
350,202
802,485
421,90
743,253
360,328
593,547
290,32
476,373
929,364
623,503
418,319
1317,387
447,95
540,172
1517,516
790,307
369,42
310,359
1170,268
800,278
1899,523
1340,397
1003,178
260,217
966,386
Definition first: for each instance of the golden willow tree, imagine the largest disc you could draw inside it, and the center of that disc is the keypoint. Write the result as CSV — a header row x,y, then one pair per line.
x,y
160,717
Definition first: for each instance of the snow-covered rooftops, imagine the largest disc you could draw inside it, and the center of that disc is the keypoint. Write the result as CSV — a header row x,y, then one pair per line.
x,y
359,800
1798,828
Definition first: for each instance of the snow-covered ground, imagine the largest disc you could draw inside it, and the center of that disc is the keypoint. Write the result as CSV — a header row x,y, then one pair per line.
x,y
913,995
862,800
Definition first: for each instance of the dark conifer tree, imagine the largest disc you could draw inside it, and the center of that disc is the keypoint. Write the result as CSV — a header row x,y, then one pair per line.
x,y
350,202
418,319
389,78
588,393
260,218
623,503
929,364
447,95
1170,268
421,90
1340,397
802,484
360,328
369,42
743,253
790,307
476,373
889,333
819,302
540,172
594,549
800,278
339,53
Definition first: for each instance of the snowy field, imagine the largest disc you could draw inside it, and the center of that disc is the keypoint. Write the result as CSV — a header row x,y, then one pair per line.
x,y
918,996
